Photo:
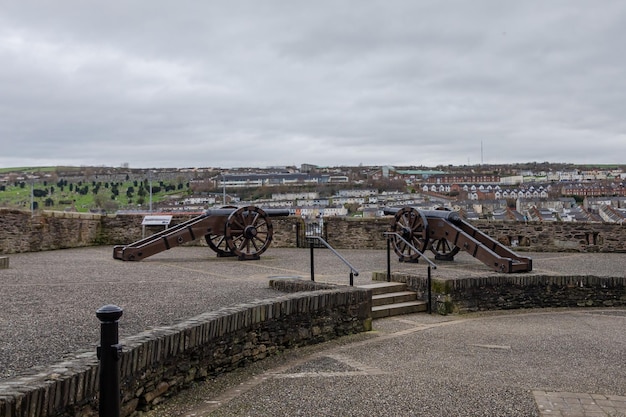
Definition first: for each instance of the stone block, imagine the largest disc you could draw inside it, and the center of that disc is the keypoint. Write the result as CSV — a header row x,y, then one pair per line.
x,y
4,262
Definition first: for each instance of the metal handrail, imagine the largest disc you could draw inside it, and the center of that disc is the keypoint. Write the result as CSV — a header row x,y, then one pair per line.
x,y
431,264
353,270
434,265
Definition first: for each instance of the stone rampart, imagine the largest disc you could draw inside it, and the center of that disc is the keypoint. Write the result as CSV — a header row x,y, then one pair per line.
x,y
20,231
158,363
521,236
515,291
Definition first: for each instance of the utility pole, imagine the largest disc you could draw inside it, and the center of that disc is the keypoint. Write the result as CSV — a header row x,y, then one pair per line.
x,y
481,152
224,189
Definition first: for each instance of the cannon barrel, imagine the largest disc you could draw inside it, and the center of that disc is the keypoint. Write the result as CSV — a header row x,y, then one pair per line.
x,y
229,211
452,216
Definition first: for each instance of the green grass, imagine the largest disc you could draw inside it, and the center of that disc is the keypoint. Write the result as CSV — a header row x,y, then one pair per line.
x,y
62,198
31,169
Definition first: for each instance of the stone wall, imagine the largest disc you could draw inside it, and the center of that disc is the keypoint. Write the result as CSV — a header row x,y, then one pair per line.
x,y
158,363
356,233
557,236
515,291
22,232
521,236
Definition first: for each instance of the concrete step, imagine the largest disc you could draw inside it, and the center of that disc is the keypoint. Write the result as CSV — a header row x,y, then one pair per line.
x,y
396,309
393,297
384,287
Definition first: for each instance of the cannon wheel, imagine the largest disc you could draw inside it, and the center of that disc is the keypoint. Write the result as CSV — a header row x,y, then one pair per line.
x,y
412,225
217,242
248,232
442,248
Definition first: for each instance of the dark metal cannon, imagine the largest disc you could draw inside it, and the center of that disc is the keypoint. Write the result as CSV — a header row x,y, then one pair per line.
x,y
244,232
445,233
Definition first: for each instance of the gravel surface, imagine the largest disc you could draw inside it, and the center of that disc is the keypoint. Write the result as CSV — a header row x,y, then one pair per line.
x,y
49,299
473,365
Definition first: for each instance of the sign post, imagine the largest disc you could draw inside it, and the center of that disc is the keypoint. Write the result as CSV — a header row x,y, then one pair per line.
x,y
154,221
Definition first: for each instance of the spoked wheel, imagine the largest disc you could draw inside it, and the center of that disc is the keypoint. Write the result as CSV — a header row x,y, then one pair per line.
x,y
248,232
443,249
218,244
412,225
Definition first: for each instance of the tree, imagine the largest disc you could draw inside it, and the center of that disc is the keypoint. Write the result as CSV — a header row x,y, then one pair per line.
x,y
40,193
111,206
99,200
352,207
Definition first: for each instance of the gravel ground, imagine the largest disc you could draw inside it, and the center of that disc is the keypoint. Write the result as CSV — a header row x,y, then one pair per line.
x,y
49,299
413,365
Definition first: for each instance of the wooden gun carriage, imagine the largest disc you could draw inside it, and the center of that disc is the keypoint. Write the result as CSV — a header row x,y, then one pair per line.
x,y
445,233
244,232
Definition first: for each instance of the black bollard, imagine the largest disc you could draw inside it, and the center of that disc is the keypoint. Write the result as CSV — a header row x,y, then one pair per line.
x,y
109,355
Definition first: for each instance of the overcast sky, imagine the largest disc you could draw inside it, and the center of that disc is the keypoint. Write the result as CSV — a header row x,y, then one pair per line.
x,y
263,83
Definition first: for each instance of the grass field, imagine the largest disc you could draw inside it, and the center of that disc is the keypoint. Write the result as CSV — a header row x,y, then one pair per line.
x,y
87,196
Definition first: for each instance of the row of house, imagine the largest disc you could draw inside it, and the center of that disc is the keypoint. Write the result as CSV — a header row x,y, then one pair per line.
x,y
250,180
482,191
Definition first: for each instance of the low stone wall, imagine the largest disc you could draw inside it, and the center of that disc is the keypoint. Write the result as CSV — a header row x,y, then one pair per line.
x,y
345,233
356,233
158,363
557,236
20,231
515,291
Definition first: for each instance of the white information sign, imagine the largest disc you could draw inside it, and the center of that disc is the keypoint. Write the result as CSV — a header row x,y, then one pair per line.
x,y
156,220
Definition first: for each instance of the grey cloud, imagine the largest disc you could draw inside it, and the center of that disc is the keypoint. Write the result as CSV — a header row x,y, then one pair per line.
x,y
330,82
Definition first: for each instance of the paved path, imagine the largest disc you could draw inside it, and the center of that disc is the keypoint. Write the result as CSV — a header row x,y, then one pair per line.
x,y
521,363
532,363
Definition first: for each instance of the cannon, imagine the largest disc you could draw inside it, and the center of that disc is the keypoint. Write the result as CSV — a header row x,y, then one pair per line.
x,y
445,233
244,232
